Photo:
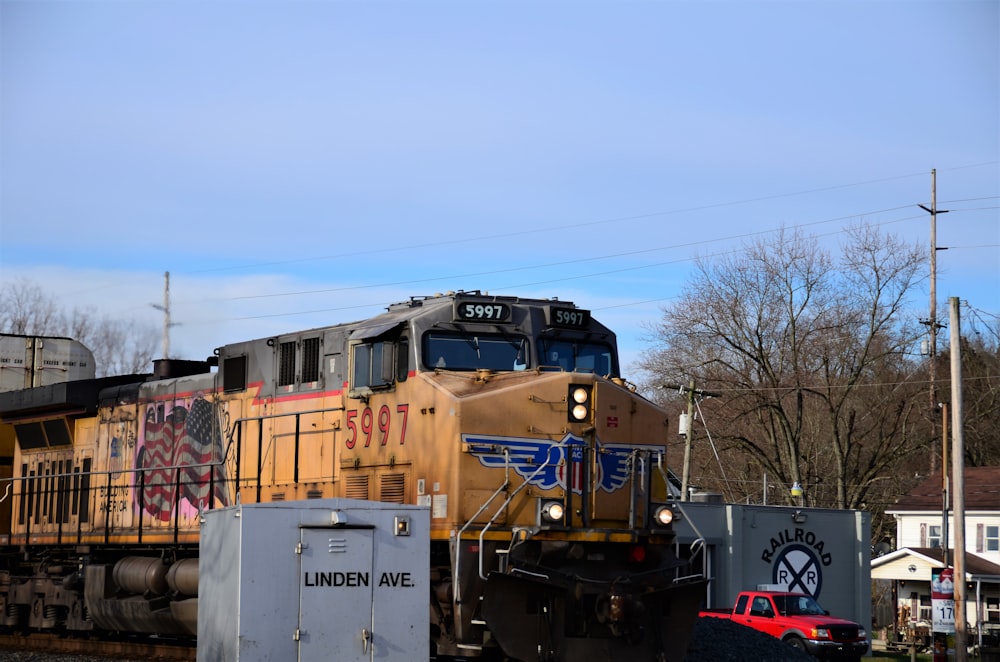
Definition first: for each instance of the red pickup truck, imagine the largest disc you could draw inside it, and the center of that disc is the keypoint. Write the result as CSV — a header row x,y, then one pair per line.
x,y
798,620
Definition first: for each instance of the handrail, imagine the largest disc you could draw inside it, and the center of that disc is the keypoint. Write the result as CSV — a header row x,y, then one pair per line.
x,y
503,506
458,538
698,544
102,480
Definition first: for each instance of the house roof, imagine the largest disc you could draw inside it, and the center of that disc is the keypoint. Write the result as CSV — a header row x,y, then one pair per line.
x,y
982,492
896,565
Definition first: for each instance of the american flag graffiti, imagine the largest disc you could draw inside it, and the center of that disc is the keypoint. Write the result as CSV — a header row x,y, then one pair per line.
x,y
183,438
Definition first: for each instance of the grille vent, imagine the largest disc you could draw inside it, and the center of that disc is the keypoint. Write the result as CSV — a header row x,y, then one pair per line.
x,y
392,488
356,487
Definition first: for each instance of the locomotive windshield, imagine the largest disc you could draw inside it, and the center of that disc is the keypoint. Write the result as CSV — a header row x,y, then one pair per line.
x,y
455,351
582,356
504,352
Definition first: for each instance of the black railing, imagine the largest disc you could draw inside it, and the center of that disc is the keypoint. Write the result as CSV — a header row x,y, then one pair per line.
x,y
57,498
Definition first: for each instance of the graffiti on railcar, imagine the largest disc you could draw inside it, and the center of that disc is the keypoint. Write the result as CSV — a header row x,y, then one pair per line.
x,y
180,441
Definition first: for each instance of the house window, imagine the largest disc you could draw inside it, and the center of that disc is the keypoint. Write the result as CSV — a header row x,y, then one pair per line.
x,y
934,535
993,538
925,608
992,609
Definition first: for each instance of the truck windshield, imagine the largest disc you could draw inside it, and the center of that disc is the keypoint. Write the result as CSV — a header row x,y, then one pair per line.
x,y
791,605
581,356
474,351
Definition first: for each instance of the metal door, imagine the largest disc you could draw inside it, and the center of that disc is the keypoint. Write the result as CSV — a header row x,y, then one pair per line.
x,y
335,595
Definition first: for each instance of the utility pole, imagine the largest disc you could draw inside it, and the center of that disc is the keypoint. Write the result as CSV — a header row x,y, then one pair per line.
x,y
958,479
932,322
945,483
688,433
688,430
166,314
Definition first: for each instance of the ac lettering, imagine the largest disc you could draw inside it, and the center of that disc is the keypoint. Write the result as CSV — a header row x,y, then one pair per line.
x,y
401,579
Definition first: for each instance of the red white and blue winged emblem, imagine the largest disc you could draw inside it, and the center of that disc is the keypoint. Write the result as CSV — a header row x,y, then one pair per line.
x,y
543,463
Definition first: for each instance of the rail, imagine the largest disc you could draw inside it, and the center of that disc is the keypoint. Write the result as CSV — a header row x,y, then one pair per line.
x,y
458,541
238,425
697,546
49,499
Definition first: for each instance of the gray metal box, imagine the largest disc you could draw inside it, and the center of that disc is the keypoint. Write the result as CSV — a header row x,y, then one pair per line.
x,y
330,579
825,553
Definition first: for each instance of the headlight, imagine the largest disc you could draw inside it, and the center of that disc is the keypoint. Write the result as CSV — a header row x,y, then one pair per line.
x,y
553,511
579,403
664,515
820,633
862,634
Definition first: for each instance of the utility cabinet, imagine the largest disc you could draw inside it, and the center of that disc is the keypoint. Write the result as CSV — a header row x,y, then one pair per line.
x,y
330,579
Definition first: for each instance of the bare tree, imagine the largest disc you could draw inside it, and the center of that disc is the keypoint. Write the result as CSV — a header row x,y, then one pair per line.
x,y
809,354
119,346
980,398
26,310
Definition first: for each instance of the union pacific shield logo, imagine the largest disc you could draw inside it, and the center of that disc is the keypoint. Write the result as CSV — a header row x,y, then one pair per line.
x,y
544,463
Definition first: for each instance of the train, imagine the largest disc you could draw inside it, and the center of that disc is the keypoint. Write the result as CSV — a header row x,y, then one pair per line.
x,y
545,472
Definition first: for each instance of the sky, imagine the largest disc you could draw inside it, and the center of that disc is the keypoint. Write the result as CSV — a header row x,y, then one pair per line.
x,y
304,163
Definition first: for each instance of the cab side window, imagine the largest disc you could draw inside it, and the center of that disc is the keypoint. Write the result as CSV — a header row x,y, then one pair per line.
x,y
372,365
378,364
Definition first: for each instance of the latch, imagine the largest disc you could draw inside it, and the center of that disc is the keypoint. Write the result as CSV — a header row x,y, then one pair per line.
x,y
366,638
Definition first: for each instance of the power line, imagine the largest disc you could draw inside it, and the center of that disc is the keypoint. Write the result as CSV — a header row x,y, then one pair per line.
x,y
571,226
492,272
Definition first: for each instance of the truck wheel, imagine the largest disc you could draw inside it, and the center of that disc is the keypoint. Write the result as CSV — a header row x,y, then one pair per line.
x,y
797,644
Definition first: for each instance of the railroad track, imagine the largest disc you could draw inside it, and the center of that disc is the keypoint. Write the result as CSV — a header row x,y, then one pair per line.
x,y
131,649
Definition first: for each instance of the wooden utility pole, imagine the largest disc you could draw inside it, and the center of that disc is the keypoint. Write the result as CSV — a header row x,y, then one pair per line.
x,y
945,483
958,479
688,430
932,322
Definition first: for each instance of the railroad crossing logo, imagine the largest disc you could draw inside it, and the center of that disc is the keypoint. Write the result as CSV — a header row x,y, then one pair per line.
x,y
800,569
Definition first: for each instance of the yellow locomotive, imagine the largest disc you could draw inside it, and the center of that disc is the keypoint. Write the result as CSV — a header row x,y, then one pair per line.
x,y
544,472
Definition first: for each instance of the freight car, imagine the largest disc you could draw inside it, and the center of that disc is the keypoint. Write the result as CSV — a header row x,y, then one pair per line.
x,y
27,361
543,469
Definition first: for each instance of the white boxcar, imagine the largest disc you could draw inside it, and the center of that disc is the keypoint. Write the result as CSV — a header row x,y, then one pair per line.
x,y
29,361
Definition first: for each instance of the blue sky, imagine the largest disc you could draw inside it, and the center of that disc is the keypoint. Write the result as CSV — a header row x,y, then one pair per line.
x,y
295,164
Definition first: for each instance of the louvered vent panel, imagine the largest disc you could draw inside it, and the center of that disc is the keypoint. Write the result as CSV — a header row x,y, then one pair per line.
x,y
286,364
393,488
356,487
310,360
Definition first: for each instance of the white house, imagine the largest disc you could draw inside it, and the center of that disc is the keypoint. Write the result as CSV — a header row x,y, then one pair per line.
x,y
923,537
